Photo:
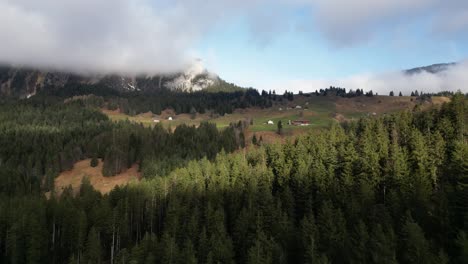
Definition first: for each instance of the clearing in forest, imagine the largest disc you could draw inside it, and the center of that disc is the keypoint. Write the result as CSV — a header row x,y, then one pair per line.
x,y
102,184
320,111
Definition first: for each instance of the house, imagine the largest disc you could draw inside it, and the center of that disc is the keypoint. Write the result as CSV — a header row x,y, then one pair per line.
x,y
270,122
301,122
156,120
169,118
298,107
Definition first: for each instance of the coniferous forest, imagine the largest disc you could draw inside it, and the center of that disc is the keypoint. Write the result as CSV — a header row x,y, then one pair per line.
x,y
389,189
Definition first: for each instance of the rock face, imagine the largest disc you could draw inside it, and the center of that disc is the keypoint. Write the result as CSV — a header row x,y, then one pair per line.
x,y
24,82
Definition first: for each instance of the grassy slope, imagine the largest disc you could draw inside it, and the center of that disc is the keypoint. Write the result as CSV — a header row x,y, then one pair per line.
x,y
103,184
320,111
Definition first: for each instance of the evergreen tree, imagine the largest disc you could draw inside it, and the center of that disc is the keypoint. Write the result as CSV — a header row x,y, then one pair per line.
x,y
416,246
280,128
254,140
93,247
94,162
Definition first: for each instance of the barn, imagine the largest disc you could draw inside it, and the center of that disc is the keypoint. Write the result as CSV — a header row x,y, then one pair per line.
x,y
301,122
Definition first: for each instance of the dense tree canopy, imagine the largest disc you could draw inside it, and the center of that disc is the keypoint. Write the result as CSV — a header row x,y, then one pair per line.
x,y
381,190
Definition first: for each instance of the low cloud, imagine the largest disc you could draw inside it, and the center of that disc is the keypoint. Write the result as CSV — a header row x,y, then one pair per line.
x,y
121,36
110,36
453,79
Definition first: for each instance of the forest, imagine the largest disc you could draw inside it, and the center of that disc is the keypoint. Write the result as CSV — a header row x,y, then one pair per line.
x,y
388,189
42,137
221,99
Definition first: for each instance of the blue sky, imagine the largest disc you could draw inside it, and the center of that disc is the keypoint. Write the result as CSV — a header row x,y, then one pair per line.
x,y
232,50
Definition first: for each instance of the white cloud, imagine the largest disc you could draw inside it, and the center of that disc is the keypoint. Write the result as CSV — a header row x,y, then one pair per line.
x,y
453,79
134,36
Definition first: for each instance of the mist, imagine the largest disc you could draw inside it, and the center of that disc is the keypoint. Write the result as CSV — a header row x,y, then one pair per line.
x,y
453,79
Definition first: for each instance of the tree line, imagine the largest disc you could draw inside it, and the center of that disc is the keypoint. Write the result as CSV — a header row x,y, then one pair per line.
x,y
218,99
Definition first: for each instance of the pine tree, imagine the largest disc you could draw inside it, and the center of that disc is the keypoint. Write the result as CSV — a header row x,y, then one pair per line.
x,y
93,248
416,246
254,140
360,243
381,246
280,128
94,162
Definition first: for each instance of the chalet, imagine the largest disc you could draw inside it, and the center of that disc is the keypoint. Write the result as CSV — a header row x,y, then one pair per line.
x,y
301,122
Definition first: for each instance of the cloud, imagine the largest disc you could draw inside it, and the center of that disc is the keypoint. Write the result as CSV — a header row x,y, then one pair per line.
x,y
349,22
123,36
149,36
453,79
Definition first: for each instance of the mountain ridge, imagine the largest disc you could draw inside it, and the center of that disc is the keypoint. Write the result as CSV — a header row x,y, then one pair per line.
x,y
26,82
433,68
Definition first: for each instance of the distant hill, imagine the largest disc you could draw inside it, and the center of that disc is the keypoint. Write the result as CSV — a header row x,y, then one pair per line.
x,y
434,68
26,82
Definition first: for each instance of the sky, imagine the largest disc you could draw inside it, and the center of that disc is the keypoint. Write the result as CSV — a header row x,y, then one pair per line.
x,y
296,45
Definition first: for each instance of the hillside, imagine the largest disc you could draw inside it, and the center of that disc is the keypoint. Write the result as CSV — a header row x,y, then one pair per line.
x,y
26,82
320,111
434,68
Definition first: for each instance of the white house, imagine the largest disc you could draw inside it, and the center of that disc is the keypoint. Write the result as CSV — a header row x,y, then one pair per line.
x,y
270,122
156,120
169,118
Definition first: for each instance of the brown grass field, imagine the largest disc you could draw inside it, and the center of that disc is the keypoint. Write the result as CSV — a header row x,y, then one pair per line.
x,y
103,184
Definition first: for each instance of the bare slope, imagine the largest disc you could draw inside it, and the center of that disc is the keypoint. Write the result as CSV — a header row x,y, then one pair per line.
x,y
103,184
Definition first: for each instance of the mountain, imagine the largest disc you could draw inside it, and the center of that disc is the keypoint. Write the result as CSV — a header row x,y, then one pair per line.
x,y
434,68
26,82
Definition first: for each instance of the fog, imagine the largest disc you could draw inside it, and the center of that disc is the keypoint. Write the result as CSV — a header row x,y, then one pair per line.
x,y
453,79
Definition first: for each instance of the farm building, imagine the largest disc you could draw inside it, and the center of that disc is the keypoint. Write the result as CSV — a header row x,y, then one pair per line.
x,y
301,122
270,122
